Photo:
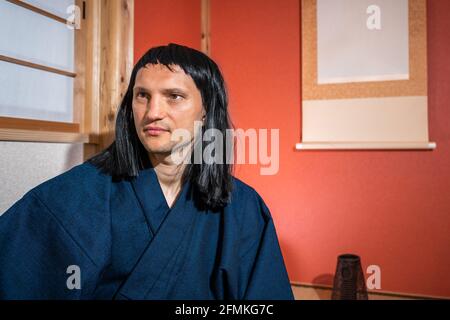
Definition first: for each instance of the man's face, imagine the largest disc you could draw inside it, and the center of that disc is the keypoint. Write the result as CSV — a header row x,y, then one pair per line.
x,y
164,101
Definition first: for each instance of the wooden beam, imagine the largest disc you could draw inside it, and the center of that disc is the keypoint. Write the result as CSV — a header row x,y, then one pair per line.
x,y
37,66
39,11
206,28
38,125
42,136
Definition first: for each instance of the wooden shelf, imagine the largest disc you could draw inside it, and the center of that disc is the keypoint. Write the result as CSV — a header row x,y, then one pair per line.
x,y
45,136
414,145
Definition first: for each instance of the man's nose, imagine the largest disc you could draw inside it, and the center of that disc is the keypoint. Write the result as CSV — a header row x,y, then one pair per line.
x,y
156,108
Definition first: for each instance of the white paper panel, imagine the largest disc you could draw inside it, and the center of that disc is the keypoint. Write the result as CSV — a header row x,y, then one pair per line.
x,y
35,94
29,36
350,49
388,119
57,7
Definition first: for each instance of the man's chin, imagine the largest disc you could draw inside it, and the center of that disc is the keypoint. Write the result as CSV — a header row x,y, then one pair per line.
x,y
160,150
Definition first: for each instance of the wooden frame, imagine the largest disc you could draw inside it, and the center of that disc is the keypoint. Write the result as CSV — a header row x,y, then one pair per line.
x,y
103,65
415,86
326,107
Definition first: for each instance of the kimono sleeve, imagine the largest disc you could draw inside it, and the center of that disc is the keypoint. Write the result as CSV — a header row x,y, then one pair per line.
x,y
262,266
39,259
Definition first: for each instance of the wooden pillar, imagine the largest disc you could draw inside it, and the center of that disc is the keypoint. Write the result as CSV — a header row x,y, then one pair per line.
x,y
108,62
205,36
91,23
116,62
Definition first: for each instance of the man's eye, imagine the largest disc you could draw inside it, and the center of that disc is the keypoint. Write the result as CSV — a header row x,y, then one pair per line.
x,y
141,95
175,96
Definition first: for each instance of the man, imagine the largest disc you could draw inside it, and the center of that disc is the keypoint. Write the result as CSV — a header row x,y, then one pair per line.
x,y
133,223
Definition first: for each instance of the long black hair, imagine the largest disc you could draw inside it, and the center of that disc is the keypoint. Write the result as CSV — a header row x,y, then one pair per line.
x,y
123,159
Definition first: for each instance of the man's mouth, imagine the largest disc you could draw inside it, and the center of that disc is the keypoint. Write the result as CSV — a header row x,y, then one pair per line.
x,y
154,130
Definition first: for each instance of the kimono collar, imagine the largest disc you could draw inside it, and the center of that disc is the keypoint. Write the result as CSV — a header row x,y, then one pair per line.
x,y
152,200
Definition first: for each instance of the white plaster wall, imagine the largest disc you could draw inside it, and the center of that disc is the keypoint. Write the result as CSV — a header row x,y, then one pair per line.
x,y
24,165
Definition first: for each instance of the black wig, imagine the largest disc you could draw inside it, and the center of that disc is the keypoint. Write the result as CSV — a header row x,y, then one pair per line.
x,y
124,158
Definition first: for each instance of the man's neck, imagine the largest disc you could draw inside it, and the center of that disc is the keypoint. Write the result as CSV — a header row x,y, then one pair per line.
x,y
169,175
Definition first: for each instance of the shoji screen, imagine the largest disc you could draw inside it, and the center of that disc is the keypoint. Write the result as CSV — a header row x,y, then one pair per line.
x,y
37,60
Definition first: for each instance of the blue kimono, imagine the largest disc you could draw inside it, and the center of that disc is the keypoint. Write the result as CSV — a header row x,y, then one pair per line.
x,y
122,241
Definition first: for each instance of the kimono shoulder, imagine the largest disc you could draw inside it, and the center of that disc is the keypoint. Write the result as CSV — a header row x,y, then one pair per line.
x,y
248,206
78,200
58,227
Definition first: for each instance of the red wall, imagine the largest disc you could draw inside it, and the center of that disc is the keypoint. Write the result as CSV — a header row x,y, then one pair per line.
x,y
390,207
160,22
